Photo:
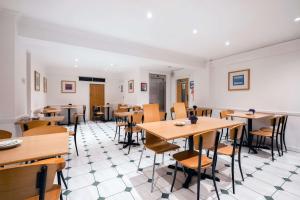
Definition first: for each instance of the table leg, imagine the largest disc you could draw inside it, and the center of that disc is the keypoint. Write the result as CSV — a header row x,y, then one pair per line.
x,y
69,117
107,113
250,136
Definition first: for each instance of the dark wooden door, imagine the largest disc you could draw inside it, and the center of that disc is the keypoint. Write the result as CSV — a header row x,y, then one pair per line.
x,y
97,96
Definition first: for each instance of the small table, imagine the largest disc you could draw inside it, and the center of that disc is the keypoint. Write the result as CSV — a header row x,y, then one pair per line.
x,y
69,107
167,130
250,118
35,148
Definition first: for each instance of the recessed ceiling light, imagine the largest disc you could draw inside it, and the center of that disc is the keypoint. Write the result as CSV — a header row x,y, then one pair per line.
x,y
75,66
297,19
111,65
76,59
149,15
227,43
195,31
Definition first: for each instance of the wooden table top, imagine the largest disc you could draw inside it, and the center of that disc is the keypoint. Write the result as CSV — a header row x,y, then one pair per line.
x,y
53,118
168,131
52,110
69,106
36,147
251,116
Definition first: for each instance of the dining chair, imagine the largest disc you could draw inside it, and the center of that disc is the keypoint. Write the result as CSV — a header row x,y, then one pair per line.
x,y
74,133
200,112
120,122
82,114
43,130
154,143
34,124
5,134
136,118
98,112
273,132
224,115
31,181
236,135
180,110
163,116
196,160
172,112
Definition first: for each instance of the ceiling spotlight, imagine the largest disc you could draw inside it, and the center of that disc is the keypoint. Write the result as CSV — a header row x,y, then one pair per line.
x,y
76,59
227,43
297,19
149,15
195,31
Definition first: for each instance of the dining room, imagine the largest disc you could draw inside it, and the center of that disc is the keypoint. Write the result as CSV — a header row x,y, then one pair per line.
x,y
149,100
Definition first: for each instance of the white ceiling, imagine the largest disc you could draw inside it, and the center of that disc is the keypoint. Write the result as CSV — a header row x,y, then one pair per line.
x,y
247,24
56,55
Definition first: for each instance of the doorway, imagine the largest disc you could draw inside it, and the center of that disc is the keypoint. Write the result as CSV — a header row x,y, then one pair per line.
x,y
157,90
97,94
183,91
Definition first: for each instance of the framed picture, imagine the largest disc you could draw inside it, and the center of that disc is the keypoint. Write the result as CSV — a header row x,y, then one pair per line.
x,y
36,81
131,86
144,87
68,86
45,84
239,80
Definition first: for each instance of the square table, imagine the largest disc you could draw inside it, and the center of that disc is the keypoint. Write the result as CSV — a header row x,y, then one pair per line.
x,y
35,148
250,118
167,130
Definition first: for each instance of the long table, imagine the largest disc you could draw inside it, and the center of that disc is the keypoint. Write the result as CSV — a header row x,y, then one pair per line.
x,y
35,148
167,130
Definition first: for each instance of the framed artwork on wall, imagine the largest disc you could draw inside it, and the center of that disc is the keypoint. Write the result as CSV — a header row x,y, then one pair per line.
x,y
36,81
68,86
239,80
144,87
45,84
131,86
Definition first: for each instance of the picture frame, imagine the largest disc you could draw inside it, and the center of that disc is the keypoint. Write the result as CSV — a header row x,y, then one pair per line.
x,y
131,86
239,80
45,84
144,87
36,81
68,86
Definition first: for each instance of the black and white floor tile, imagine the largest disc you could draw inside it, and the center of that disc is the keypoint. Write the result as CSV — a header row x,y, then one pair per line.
x,y
104,170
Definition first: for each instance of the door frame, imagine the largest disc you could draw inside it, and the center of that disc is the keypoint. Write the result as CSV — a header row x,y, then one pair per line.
x,y
179,90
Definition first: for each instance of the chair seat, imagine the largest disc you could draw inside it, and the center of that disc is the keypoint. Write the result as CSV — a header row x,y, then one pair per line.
x,y
161,147
224,149
121,124
262,133
71,133
135,129
52,194
99,113
190,159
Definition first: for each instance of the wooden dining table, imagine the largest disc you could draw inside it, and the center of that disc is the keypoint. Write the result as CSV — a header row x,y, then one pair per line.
x,y
167,130
36,148
250,118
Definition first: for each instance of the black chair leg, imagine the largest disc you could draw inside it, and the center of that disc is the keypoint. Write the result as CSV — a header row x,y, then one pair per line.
x,y
277,146
84,119
59,183
63,179
240,166
119,133
281,144
174,176
76,145
284,142
232,174
198,182
272,148
215,184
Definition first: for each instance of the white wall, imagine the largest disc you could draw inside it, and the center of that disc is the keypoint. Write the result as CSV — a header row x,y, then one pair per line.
x,y
81,97
274,86
200,77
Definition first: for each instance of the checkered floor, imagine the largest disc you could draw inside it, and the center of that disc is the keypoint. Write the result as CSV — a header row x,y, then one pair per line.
x,y
103,170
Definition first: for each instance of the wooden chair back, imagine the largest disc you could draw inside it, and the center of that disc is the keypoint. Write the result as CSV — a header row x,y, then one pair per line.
x,y
30,180
200,112
180,110
5,134
122,110
35,124
136,108
151,114
43,130
136,118
208,140
236,132
224,113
